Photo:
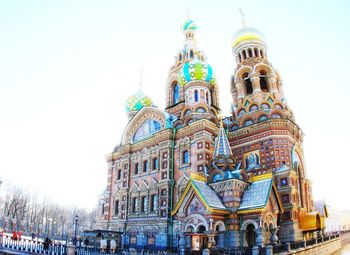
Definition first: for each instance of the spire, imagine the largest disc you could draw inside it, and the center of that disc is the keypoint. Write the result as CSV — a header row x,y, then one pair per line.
x,y
242,16
222,146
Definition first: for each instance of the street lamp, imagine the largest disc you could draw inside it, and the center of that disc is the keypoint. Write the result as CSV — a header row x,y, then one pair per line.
x,y
75,228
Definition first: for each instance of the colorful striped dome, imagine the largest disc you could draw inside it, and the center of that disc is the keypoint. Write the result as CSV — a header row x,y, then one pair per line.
x,y
189,24
136,101
196,71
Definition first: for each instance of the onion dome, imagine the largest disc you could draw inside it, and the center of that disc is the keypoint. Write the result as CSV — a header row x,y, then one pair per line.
x,y
246,34
189,25
136,101
196,70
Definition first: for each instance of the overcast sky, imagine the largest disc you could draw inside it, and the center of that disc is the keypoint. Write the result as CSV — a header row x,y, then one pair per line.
x,y
66,68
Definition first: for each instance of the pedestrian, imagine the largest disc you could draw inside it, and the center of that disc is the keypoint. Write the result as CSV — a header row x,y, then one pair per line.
x,y
14,236
86,242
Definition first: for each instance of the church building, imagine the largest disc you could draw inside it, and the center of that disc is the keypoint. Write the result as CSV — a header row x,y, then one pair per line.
x,y
186,177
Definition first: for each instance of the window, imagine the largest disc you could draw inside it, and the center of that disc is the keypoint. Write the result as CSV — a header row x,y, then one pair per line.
x,y
241,112
263,118
143,204
207,98
248,123
116,207
154,202
265,106
248,84
136,171
199,145
185,157
119,175
285,198
147,129
176,94
103,209
286,215
145,166
284,182
263,82
196,95
276,116
155,164
200,110
134,204
163,192
253,108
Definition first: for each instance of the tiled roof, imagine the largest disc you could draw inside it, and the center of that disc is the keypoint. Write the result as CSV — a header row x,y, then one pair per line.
x,y
208,194
256,195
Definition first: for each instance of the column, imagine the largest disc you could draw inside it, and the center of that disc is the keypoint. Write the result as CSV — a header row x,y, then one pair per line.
x,y
271,83
259,237
240,91
274,237
254,77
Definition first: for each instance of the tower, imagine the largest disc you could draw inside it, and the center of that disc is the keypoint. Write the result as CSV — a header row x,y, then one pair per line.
x,y
192,92
264,135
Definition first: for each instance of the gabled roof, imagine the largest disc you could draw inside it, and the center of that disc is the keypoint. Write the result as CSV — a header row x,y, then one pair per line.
x,y
222,146
256,196
206,195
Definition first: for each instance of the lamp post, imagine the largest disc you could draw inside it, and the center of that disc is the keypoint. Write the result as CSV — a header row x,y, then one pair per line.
x,y
75,228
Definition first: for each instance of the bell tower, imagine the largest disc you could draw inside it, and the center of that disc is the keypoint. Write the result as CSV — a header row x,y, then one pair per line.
x,y
264,134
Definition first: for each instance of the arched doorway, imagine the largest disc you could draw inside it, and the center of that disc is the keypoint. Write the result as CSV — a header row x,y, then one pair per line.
x,y
250,235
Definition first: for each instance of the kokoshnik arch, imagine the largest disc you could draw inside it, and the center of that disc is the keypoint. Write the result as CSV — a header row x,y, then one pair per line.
x,y
183,176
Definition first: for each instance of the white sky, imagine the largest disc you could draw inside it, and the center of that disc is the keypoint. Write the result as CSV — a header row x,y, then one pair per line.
x,y
66,68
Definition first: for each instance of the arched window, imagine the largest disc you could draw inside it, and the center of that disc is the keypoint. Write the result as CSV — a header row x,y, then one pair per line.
x,y
263,82
250,53
253,108
265,106
256,52
187,112
196,95
185,157
155,163
278,106
147,129
263,118
261,54
239,57
176,94
200,110
248,123
276,116
145,166
191,53
248,84
241,112
136,170
244,54
234,128
207,97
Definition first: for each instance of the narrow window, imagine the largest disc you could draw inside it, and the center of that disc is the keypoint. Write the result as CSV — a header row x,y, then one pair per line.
x,y
136,171
154,202
250,53
145,166
116,207
196,95
207,97
143,204
119,175
248,84
185,157
133,206
263,82
176,94
155,163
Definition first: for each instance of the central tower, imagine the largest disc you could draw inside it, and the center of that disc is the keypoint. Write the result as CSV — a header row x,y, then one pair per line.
x,y
192,92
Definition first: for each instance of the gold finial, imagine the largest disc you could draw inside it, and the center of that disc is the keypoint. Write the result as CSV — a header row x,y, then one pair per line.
x,y
242,16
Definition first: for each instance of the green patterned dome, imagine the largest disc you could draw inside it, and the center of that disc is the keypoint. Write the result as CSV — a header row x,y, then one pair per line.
x,y
189,24
196,70
136,101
